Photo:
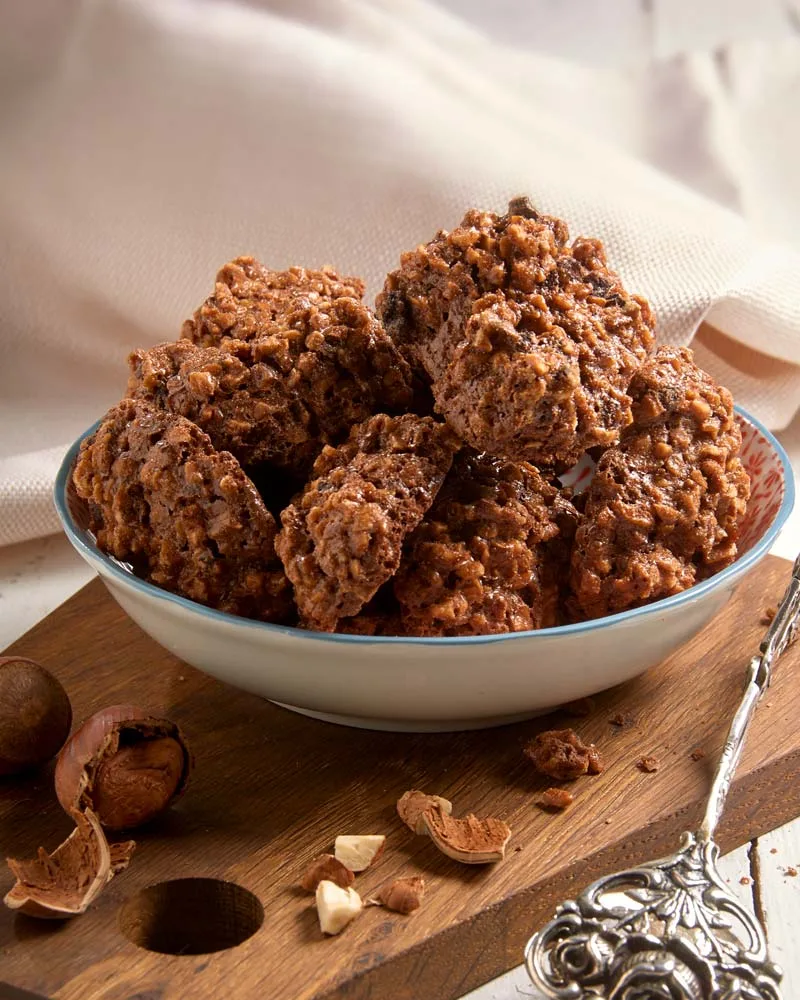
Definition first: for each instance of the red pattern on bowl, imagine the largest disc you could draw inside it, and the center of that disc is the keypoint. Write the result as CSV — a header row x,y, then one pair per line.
x,y
766,483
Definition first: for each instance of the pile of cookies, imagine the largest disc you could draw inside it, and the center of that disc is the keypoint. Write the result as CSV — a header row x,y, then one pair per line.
x,y
296,457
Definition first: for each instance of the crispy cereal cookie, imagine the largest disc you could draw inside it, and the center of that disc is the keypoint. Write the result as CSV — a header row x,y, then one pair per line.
x,y
247,296
301,345
665,506
243,404
529,342
484,558
161,497
343,536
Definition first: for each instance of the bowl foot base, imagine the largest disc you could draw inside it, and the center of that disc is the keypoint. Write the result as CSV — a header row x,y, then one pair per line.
x,y
403,726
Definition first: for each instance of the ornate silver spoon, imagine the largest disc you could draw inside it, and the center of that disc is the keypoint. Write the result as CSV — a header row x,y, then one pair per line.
x,y
670,929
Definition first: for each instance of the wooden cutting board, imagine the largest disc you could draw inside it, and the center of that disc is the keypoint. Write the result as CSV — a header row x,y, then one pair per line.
x,y
272,789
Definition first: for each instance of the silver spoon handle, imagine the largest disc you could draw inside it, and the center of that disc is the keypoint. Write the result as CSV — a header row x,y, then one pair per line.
x,y
780,633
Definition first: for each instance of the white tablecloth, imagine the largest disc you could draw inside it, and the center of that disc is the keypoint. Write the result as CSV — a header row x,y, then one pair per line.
x,y
144,142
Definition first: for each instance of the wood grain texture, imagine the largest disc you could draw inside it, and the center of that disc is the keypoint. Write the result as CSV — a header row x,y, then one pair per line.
x,y
272,789
779,898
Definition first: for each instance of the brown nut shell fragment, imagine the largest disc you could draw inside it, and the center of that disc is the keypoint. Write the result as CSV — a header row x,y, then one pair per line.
x,y
404,895
326,868
413,803
470,840
35,714
65,883
125,765
556,799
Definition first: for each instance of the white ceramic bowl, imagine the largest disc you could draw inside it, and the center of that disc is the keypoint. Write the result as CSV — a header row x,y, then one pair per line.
x,y
421,684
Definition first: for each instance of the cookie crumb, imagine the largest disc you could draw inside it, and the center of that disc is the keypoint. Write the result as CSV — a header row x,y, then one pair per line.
x,y
596,762
579,708
769,615
744,880
556,798
562,754
518,848
698,753
791,872
622,720
648,764
773,850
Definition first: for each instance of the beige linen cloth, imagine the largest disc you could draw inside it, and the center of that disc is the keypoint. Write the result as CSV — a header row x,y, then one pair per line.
x,y
145,142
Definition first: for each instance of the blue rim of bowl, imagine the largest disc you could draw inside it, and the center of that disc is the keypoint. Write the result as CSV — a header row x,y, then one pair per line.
x,y
735,569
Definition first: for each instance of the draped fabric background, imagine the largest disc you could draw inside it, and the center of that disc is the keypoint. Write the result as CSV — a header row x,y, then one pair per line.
x,y
145,142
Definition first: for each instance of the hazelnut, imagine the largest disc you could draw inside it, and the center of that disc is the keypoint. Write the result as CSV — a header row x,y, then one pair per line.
x,y
35,715
124,765
336,907
404,895
556,798
358,852
326,868
65,883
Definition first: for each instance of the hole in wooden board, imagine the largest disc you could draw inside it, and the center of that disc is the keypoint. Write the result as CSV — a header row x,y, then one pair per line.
x,y
9,992
191,916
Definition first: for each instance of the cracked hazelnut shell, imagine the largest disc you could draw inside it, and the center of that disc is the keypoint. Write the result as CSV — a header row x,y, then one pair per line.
x,y
413,803
65,883
125,765
470,840
404,895
326,868
35,715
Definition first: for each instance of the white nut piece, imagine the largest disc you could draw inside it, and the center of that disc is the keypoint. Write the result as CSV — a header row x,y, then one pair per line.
x,y
358,852
336,907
